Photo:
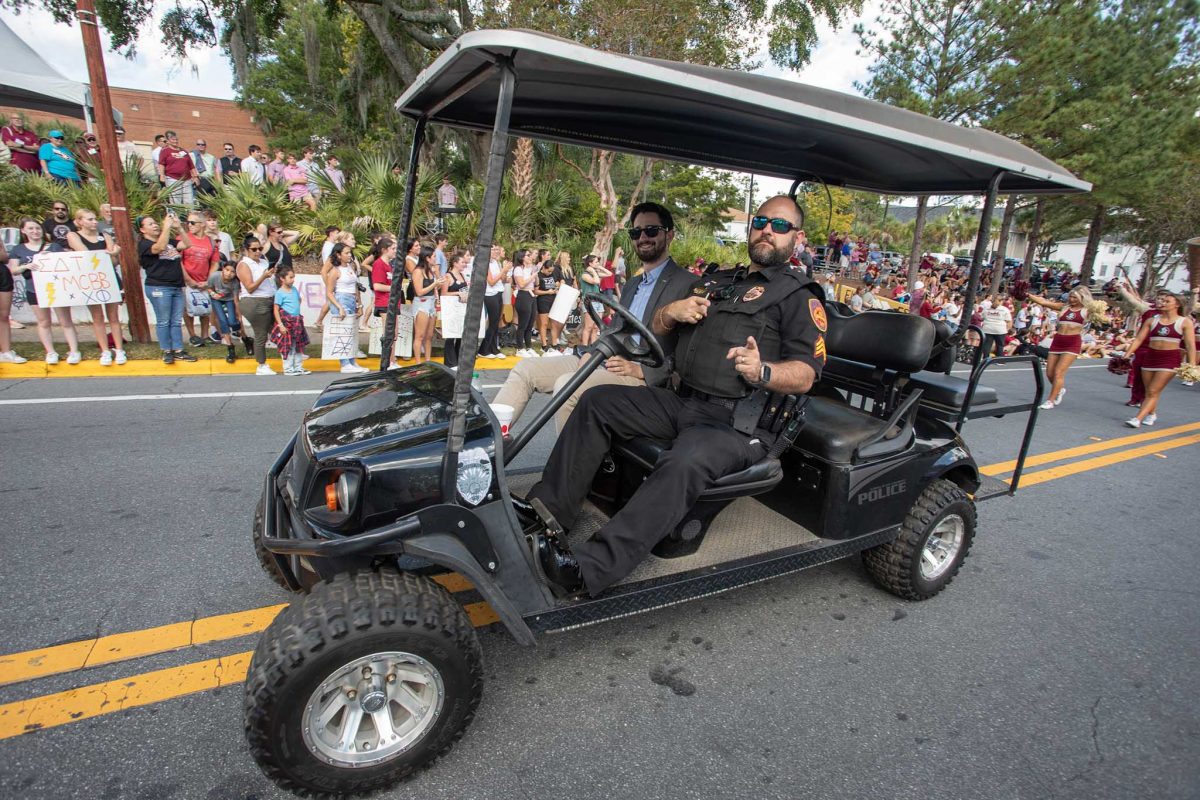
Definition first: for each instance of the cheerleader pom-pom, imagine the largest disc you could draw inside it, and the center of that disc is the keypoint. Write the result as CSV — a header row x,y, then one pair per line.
x,y
1097,312
1188,373
1119,365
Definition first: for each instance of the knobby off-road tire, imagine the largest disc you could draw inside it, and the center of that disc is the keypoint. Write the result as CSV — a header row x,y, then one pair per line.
x,y
265,559
944,514
361,618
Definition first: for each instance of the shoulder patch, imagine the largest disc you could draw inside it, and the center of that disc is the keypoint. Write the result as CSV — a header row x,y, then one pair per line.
x,y
816,310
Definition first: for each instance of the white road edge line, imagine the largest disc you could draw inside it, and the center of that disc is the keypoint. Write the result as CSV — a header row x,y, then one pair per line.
x,y
32,401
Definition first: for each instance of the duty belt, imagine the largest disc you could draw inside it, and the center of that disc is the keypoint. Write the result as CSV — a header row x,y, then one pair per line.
x,y
687,392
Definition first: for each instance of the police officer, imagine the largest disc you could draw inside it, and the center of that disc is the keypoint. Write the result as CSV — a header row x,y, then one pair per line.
x,y
739,331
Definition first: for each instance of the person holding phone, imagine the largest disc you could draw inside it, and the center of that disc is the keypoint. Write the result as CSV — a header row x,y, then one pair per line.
x,y
160,254
257,298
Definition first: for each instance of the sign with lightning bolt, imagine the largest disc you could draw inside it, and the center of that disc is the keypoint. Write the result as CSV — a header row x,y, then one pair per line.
x,y
80,278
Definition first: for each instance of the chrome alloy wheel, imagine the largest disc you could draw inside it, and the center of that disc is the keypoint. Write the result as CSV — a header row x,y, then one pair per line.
x,y
372,709
942,547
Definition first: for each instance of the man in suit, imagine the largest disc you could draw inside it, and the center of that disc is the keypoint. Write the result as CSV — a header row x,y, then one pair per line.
x,y
660,281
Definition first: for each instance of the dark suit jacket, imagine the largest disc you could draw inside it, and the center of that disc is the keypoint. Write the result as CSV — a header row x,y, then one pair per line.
x,y
673,284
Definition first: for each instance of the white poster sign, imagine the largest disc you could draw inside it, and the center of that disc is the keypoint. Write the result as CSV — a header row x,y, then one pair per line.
x,y
404,331
75,278
339,338
564,303
454,318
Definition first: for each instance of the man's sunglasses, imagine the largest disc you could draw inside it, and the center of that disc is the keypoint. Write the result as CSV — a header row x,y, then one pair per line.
x,y
651,231
254,249
777,225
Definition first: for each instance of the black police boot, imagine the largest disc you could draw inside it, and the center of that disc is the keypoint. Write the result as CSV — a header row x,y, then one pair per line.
x,y
560,567
535,517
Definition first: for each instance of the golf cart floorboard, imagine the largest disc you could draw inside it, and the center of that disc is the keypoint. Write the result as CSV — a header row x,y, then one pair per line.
x,y
746,543
744,529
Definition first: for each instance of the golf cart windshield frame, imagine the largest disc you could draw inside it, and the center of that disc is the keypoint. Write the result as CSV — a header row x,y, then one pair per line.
x,y
701,115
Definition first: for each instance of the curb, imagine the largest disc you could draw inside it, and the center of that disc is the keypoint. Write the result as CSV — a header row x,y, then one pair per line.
x,y
154,368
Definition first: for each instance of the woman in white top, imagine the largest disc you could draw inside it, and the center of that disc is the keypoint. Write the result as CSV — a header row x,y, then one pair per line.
x,y
524,276
341,291
257,300
493,303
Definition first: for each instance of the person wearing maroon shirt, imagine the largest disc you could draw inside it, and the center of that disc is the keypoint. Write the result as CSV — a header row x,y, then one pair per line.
x,y
176,170
23,143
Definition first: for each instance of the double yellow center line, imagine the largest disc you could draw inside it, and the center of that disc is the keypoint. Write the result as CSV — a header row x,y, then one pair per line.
x,y
48,711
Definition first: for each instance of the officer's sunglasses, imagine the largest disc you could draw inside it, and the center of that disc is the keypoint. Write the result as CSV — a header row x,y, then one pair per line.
x,y
651,231
777,225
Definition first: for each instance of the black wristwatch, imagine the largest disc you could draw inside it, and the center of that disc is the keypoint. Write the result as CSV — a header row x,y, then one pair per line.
x,y
764,375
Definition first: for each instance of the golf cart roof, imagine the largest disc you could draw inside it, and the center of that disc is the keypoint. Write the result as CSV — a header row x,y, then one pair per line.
x,y
570,93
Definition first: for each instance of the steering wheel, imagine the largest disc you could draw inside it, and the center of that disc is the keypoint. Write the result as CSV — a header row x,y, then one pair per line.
x,y
617,340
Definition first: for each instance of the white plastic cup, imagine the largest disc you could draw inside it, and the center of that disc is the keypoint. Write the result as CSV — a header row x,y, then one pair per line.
x,y
504,415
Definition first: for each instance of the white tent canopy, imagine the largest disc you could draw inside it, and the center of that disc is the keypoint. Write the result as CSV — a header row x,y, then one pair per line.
x,y
27,81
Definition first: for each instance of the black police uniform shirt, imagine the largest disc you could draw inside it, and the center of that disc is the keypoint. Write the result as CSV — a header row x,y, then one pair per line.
x,y
781,308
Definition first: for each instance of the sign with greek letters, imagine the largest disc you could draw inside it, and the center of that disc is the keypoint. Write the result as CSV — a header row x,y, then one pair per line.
x,y
75,278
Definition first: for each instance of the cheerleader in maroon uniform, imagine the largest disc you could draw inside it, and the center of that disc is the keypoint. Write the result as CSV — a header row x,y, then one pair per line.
x,y
1168,332
1068,339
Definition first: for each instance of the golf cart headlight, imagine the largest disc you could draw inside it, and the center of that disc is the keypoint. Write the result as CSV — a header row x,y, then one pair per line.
x,y
474,475
343,492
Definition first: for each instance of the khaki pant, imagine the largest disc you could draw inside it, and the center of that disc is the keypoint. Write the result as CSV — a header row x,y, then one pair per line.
x,y
548,375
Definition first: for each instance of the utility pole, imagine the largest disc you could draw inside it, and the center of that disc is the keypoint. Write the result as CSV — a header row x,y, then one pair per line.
x,y
114,174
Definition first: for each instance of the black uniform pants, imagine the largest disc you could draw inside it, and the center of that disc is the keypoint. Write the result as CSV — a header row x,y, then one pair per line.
x,y
704,448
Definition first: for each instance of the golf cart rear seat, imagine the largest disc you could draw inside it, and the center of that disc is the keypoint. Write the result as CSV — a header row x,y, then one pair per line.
x,y
942,394
887,347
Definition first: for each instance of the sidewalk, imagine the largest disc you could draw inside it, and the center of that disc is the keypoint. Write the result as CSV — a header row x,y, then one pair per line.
x,y
143,368
211,361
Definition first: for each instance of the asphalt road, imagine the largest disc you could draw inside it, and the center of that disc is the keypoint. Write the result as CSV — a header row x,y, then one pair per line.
x,y
1060,664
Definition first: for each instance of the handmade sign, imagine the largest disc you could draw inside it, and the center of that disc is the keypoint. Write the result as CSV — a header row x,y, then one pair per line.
x,y
564,303
404,332
454,318
75,278
339,338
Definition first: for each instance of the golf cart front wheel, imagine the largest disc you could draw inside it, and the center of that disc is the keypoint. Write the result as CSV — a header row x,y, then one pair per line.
x,y
932,545
360,683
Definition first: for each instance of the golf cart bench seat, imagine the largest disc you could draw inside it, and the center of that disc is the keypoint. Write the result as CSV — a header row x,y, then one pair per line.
x,y
754,479
856,361
941,389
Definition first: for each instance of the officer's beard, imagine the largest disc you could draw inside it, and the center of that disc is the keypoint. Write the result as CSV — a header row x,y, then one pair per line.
x,y
764,254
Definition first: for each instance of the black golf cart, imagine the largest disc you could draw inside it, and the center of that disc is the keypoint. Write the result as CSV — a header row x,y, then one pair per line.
x,y
397,476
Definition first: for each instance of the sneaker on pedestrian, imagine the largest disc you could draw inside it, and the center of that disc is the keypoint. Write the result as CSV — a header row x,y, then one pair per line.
x,y
121,357
230,355
1133,422
74,357
289,371
263,369
184,355
168,357
106,358
1150,419
214,336
1133,404
196,341
360,354
11,358
301,371
353,369
1189,383
1046,406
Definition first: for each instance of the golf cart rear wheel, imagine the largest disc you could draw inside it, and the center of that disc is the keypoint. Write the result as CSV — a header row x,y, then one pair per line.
x,y
357,685
265,559
932,545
